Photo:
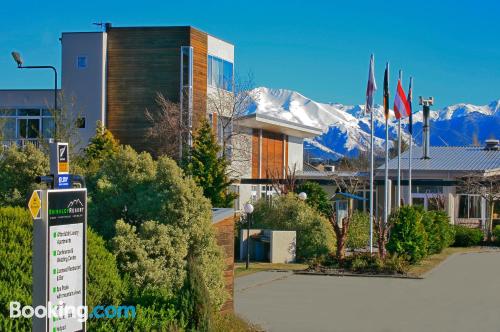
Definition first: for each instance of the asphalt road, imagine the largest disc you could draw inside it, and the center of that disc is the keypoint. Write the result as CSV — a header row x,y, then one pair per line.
x,y
462,294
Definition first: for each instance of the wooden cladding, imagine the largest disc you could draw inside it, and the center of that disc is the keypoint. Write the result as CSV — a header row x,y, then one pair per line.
x,y
269,154
142,62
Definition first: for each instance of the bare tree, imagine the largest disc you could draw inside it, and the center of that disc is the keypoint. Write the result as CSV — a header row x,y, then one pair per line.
x,y
350,183
383,229
283,185
488,187
226,107
166,129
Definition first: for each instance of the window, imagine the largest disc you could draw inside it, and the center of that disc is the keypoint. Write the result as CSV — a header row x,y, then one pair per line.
x,y
80,123
220,73
26,124
469,206
81,62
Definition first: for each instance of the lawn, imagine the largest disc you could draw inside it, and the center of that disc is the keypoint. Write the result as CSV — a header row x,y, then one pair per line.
x,y
239,269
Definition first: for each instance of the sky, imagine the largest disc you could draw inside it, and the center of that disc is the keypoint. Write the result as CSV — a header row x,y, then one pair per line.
x,y
318,48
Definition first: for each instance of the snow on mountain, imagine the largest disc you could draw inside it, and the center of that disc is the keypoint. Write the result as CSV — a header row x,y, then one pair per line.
x,y
346,128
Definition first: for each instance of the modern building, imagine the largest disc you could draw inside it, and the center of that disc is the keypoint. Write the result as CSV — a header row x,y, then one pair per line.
x,y
437,180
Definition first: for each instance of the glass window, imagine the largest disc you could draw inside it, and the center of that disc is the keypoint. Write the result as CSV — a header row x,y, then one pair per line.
x,y
474,207
46,112
7,112
47,127
463,203
28,112
8,127
220,73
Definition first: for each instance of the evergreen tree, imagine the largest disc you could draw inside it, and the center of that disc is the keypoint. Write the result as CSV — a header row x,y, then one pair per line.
x,y
208,167
101,146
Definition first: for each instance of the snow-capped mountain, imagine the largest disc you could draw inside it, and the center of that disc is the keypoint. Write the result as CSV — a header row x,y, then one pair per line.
x,y
346,128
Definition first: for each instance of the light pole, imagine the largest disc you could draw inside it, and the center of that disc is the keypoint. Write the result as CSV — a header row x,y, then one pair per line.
x,y
248,208
19,61
303,196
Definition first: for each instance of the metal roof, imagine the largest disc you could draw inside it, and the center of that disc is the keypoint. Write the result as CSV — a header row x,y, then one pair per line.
x,y
219,214
450,158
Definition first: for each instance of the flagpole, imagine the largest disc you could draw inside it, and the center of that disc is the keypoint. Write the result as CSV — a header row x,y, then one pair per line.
x,y
372,86
398,192
386,178
410,94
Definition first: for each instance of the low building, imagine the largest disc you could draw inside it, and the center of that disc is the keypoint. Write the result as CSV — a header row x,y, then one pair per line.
x,y
268,245
437,180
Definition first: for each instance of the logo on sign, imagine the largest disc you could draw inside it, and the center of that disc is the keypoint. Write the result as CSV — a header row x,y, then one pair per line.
x,y
63,181
62,158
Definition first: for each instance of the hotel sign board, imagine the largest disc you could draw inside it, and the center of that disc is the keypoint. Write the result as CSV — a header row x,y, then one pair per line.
x,y
59,253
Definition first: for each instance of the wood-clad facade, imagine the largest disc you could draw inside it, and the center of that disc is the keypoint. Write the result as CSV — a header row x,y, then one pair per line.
x,y
142,61
269,154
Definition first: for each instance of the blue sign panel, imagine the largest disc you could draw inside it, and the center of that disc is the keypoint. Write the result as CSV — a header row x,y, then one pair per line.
x,y
63,181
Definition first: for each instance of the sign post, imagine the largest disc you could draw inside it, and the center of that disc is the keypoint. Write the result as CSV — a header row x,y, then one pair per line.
x,y
59,250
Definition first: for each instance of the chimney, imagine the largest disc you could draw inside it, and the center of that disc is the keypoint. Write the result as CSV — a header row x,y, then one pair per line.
x,y
426,137
492,144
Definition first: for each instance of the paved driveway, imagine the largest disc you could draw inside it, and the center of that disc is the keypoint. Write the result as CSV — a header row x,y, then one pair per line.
x,y
462,294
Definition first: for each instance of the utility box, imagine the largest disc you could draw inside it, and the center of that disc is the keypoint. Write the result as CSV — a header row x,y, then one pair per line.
x,y
269,245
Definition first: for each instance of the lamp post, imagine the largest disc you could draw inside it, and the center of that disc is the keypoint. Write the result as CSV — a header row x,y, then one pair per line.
x,y
303,196
19,61
248,208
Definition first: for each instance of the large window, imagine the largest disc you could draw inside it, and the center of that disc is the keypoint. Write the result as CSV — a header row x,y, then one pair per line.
x,y
469,206
21,125
220,73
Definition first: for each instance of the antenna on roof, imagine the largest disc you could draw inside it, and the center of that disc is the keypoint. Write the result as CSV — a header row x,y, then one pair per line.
x,y
105,26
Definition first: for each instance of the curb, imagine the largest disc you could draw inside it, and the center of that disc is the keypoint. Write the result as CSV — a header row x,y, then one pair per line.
x,y
348,274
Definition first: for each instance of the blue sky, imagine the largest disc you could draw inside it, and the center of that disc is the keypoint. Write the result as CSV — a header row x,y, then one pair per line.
x,y
318,48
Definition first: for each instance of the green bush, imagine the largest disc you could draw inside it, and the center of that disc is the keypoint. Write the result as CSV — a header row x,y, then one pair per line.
x,y
467,237
135,188
103,281
408,238
496,234
317,197
19,166
366,263
358,235
440,233
315,236
15,265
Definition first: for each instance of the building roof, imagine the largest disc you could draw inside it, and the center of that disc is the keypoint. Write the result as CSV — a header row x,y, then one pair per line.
x,y
450,158
274,124
219,214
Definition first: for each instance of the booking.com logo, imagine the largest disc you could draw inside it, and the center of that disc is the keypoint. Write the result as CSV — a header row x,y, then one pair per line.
x,y
60,311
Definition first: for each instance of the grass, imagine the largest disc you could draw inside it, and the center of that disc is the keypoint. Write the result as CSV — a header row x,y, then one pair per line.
x,y
432,261
231,322
239,269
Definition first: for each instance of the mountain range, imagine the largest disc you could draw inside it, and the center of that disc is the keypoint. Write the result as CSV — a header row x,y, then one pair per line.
x,y
346,128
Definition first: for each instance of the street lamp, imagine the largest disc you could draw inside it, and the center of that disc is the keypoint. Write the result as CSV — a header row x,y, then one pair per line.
x,y
19,60
248,208
302,196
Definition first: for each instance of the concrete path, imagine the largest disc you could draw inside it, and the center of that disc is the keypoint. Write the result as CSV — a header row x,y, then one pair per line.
x,y
462,294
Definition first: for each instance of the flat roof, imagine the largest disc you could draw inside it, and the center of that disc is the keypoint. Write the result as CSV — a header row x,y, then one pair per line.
x,y
274,124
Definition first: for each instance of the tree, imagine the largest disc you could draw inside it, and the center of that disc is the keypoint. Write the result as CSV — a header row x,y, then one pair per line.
x,y
166,131
348,183
488,187
19,166
227,105
286,185
393,151
317,197
208,168
101,146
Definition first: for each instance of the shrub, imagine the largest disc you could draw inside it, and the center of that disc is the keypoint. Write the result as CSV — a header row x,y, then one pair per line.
x,y
440,233
467,237
135,188
358,235
496,234
315,237
408,237
317,197
15,265
19,166
104,283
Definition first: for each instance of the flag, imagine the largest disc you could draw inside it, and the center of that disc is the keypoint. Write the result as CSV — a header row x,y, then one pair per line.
x,y
371,87
401,106
410,98
386,91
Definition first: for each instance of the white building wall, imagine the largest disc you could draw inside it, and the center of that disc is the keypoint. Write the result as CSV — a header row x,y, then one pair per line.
x,y
283,246
220,48
295,152
84,78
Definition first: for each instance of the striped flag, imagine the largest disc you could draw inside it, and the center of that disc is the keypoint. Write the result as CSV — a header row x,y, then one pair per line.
x,y
401,106
371,87
386,91
410,98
